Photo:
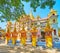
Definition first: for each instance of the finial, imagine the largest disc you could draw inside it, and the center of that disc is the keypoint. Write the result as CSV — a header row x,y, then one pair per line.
x,y
30,12
15,27
9,23
52,12
31,15
38,17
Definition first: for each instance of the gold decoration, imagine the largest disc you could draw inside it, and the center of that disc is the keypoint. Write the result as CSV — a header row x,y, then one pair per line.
x,y
48,35
52,11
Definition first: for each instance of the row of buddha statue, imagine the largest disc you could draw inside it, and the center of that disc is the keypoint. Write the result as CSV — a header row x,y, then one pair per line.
x,y
23,37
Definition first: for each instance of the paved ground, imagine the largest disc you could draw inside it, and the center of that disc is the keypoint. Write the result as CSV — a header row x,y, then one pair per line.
x,y
25,49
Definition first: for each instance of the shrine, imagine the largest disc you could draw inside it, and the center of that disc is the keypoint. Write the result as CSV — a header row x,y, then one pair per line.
x,y
26,24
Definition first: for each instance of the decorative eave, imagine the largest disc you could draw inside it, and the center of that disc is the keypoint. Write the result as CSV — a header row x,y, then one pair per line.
x,y
52,12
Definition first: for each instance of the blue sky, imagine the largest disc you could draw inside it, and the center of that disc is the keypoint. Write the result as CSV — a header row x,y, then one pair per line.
x,y
41,12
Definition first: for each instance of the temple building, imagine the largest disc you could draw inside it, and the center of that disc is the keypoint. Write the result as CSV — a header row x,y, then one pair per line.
x,y
29,21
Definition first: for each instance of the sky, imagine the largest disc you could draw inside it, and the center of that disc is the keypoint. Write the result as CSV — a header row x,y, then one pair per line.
x,y
41,12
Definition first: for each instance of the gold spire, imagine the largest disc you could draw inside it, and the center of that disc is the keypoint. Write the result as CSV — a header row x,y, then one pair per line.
x,y
53,11
31,15
38,17
8,28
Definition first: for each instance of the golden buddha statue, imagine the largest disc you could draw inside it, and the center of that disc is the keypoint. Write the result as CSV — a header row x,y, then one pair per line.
x,y
34,36
23,36
48,35
14,36
8,35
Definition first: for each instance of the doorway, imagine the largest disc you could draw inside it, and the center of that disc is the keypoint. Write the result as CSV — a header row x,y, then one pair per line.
x,y
42,35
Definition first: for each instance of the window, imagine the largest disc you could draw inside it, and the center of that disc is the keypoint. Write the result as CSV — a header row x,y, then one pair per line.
x,y
54,32
53,20
53,14
43,35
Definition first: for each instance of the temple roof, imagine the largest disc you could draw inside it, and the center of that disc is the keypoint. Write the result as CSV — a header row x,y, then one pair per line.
x,y
31,17
52,12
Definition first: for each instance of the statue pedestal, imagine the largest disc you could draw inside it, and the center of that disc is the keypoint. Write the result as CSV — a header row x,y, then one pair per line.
x,y
28,41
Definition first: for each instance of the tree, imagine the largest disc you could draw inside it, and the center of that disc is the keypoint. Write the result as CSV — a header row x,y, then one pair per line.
x,y
12,9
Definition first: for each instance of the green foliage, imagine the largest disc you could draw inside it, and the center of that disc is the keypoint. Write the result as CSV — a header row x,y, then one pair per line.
x,y
12,9
41,3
